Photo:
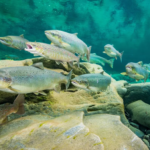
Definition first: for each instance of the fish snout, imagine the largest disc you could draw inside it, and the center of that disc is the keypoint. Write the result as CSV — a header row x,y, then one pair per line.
x,y
46,32
5,82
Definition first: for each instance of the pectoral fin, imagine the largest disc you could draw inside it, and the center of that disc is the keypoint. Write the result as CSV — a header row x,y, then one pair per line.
x,y
13,89
113,53
57,62
52,44
139,75
71,64
41,92
38,65
64,44
57,88
124,73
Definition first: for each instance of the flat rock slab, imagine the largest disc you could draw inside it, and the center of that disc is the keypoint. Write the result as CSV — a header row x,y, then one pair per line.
x,y
73,131
140,112
63,133
114,135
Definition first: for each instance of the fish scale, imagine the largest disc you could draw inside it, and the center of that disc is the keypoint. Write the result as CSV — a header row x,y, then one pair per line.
x,y
52,52
68,41
29,79
92,82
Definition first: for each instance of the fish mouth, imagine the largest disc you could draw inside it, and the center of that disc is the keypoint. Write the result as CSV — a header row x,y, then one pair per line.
x,y
128,67
47,33
2,41
29,46
74,82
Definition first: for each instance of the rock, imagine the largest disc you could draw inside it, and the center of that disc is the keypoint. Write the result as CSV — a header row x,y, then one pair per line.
x,y
71,131
12,63
140,112
146,142
120,87
134,125
62,133
105,102
136,92
138,132
114,135
64,66
57,104
21,123
7,97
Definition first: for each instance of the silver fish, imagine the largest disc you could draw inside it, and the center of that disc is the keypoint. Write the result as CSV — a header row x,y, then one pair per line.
x,y
99,60
69,42
17,42
112,52
92,82
136,71
52,52
31,79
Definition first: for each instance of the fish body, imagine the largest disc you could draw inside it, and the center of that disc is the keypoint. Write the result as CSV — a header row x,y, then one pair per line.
x,y
93,82
17,42
99,60
52,52
11,63
112,52
31,79
69,42
136,71
7,109
147,67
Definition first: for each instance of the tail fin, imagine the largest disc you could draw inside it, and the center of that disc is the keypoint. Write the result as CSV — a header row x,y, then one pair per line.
x,y
111,62
68,79
121,56
88,53
78,61
18,104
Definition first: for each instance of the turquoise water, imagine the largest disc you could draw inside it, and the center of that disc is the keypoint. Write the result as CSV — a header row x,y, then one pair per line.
x,y
125,24
65,106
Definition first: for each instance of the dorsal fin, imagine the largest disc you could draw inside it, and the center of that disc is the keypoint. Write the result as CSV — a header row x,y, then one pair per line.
x,y
39,65
75,34
102,72
22,35
140,63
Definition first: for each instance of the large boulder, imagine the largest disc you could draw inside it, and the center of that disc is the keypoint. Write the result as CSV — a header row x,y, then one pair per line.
x,y
139,91
140,112
114,135
71,131
62,133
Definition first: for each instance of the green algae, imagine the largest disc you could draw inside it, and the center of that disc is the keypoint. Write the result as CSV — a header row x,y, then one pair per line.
x,y
97,143
31,131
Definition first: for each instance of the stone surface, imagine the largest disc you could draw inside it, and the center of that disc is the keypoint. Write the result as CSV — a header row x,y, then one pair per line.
x,y
136,92
62,133
120,87
71,131
140,112
114,135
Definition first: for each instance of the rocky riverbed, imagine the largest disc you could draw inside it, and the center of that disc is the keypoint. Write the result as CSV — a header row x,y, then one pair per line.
x,y
76,119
